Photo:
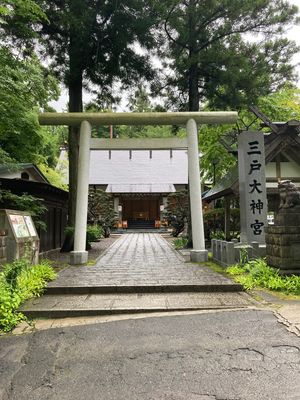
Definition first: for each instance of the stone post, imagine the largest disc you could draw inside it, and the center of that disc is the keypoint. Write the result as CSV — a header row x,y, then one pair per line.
x,y
80,255
252,186
198,254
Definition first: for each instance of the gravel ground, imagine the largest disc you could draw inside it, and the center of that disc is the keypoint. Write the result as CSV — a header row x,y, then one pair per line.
x,y
61,260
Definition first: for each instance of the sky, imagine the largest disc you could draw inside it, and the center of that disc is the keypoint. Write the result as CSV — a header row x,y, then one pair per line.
x,y
293,34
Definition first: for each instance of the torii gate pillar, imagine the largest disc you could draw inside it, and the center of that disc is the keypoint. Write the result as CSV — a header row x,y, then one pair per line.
x,y
80,255
198,254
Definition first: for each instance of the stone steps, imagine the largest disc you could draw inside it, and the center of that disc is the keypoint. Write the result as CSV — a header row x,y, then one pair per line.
x,y
61,306
68,289
138,273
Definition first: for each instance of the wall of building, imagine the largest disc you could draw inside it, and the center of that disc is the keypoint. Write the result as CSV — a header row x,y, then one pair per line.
x,y
138,167
290,169
56,202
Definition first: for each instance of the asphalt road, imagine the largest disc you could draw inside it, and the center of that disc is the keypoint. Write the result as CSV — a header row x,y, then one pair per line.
x,y
231,355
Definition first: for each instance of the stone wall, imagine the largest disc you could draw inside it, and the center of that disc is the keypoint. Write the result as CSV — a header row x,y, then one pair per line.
x,y
229,253
283,241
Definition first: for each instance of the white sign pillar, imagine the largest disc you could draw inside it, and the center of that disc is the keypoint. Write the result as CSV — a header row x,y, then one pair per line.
x,y
80,255
198,254
252,186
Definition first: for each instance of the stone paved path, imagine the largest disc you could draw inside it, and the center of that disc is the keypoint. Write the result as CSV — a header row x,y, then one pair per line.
x,y
141,259
138,273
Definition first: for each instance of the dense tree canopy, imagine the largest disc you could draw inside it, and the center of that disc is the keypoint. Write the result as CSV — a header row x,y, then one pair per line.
x,y
94,43
212,58
219,54
26,87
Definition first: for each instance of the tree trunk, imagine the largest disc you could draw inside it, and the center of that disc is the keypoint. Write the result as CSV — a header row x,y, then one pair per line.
x,y
193,84
193,72
75,105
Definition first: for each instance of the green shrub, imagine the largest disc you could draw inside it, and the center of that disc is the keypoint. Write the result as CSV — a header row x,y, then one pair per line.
x,y
9,302
256,273
93,233
220,235
20,281
180,243
244,256
235,269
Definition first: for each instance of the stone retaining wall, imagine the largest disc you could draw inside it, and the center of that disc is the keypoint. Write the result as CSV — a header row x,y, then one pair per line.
x,y
283,248
228,253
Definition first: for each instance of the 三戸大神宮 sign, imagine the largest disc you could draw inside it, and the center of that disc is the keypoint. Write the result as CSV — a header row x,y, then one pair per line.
x,y
252,186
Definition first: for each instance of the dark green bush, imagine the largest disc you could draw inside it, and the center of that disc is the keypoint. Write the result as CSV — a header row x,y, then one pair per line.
x,y
93,233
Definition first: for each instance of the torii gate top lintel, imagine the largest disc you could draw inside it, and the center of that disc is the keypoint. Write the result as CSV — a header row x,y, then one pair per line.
x,y
147,118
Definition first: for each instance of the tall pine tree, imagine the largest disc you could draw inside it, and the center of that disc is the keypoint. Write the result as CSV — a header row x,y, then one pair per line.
x,y
93,42
226,52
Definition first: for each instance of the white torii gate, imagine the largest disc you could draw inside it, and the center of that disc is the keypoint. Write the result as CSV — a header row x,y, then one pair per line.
x,y
87,120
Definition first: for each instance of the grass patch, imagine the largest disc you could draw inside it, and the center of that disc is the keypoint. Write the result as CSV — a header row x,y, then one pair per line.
x,y
91,263
257,274
215,267
20,281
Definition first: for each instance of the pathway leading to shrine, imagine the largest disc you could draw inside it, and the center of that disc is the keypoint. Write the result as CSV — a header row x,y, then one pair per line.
x,y
140,272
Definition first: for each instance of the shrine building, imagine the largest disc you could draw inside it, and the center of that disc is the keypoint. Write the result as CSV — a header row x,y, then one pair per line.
x,y
140,181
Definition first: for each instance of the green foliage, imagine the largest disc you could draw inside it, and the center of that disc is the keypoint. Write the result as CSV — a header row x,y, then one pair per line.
x,y
139,101
74,36
25,202
25,86
235,269
11,272
244,256
180,243
93,233
215,160
217,235
17,18
55,177
282,105
20,281
256,273
177,211
214,223
211,59
101,210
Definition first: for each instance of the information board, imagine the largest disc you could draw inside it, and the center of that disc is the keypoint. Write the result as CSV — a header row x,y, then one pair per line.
x,y
19,225
30,225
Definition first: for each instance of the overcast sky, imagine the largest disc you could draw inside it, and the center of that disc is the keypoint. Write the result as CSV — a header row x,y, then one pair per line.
x,y
293,33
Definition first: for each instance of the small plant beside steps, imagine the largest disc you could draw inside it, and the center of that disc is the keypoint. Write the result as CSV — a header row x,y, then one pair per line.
x,y
20,281
256,273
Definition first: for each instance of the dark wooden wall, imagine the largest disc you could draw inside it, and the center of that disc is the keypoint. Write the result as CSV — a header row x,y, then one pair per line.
x,y
56,202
